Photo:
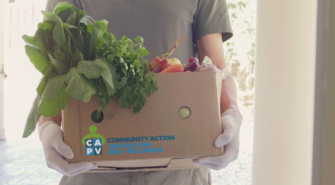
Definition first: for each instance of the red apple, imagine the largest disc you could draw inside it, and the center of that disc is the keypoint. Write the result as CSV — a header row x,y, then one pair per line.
x,y
193,59
156,62
165,64
193,65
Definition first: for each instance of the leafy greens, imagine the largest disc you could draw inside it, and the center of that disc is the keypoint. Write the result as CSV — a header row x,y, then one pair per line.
x,y
79,58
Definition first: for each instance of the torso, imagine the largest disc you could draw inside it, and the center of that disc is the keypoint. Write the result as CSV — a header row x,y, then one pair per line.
x,y
160,22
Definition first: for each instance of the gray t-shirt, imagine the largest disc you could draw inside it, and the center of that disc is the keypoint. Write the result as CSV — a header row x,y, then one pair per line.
x,y
160,22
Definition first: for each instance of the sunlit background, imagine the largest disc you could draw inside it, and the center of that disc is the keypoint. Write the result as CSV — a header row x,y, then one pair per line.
x,y
24,159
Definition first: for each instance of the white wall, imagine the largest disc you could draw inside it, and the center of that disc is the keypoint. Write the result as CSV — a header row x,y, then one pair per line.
x,y
23,78
284,92
2,58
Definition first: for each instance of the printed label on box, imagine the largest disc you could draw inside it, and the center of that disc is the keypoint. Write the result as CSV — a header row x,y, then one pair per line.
x,y
93,146
122,145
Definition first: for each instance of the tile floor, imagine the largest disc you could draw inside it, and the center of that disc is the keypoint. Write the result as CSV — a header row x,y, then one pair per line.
x,y
22,163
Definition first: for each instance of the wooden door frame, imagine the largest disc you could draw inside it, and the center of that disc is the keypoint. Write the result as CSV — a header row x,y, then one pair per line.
x,y
324,117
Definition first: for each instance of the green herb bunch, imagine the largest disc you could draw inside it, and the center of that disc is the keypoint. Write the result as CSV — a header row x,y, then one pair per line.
x,y
79,58
135,81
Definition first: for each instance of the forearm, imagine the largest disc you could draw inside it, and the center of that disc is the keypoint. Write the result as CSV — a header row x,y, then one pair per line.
x,y
228,94
211,45
57,119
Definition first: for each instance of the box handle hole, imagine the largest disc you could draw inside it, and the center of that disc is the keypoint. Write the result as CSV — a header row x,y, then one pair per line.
x,y
184,112
97,116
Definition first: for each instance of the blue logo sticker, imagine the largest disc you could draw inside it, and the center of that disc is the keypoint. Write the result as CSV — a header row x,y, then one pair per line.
x,y
93,146
89,151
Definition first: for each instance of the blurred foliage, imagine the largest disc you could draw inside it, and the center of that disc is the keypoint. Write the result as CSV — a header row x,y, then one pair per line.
x,y
240,49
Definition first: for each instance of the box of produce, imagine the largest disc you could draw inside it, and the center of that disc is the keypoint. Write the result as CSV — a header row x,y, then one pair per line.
x,y
179,122
119,110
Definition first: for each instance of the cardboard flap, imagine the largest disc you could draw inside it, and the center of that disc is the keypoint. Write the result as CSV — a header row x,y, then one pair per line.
x,y
170,164
135,163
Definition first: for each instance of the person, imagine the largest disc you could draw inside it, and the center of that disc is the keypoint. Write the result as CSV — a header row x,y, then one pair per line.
x,y
205,25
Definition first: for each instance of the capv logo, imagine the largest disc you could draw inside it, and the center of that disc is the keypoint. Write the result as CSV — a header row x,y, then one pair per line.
x,y
93,146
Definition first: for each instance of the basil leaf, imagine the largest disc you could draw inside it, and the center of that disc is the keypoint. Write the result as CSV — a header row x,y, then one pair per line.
x,y
30,41
86,20
63,6
60,68
41,41
72,19
109,76
77,57
53,87
52,45
65,14
78,87
53,106
41,87
59,37
51,76
87,38
40,62
102,40
80,15
46,25
32,119
60,56
70,26
92,70
103,24
91,82
67,30
89,28
52,17
78,40
93,41
99,28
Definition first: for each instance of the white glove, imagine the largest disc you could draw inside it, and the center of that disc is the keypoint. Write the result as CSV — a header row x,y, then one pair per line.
x,y
231,121
55,150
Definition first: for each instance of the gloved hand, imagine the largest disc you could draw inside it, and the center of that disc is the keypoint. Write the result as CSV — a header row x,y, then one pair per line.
x,y
55,150
231,121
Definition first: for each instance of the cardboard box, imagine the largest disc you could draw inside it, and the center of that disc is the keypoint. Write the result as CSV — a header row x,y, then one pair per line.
x,y
156,138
